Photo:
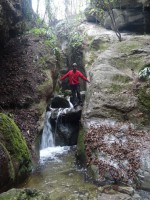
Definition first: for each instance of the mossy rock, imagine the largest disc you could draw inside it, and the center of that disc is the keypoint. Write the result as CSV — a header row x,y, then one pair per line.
x,y
13,151
81,157
24,194
121,78
144,97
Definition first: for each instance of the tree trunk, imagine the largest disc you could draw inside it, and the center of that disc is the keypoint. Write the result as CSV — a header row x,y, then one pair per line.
x,y
16,13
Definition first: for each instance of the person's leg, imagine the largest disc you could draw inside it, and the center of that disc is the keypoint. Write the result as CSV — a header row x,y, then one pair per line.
x,y
73,90
78,94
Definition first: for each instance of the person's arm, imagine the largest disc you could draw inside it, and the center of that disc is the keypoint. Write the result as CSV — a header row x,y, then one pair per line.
x,y
83,77
64,76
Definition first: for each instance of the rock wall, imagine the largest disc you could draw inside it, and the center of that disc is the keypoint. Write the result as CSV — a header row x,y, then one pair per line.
x,y
113,98
12,15
129,15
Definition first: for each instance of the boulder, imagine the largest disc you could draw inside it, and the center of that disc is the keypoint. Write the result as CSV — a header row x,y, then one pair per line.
x,y
129,19
15,159
65,125
27,193
129,15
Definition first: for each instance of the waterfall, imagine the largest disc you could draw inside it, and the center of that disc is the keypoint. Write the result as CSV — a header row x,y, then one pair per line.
x,y
57,132
47,135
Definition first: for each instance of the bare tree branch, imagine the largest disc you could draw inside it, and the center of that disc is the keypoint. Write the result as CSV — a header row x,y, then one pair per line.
x,y
112,17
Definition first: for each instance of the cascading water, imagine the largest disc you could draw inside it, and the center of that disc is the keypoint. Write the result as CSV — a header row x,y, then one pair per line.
x,y
57,173
47,135
48,150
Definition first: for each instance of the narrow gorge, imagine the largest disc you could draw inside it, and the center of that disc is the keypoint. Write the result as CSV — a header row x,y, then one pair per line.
x,y
50,149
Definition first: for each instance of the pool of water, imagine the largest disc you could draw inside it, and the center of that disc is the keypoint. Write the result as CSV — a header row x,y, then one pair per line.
x,y
58,175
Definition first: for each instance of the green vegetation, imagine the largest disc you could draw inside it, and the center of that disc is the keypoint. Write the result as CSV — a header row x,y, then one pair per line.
x,y
144,97
75,39
116,88
144,73
48,34
50,43
130,62
121,78
98,8
41,88
120,82
24,194
40,107
127,47
13,141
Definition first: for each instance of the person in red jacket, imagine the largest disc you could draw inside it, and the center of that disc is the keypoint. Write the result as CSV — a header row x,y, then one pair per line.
x,y
74,83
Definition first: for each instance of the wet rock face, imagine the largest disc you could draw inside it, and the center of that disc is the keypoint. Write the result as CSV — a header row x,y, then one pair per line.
x,y
65,121
116,92
12,14
59,102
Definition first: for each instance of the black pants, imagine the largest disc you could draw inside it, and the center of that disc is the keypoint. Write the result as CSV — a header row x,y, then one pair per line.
x,y
76,97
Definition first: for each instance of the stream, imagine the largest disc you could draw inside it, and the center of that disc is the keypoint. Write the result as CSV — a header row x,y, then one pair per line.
x,y
59,175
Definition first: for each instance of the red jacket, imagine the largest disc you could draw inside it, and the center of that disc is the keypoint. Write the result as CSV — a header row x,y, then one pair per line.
x,y
74,77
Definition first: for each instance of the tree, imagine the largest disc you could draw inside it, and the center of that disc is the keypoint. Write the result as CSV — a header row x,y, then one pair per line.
x,y
107,6
109,9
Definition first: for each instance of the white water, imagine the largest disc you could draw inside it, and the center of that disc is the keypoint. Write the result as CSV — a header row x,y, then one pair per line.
x,y
52,153
47,135
48,149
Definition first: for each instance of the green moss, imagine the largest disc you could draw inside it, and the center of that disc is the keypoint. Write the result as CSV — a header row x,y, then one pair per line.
x,y
81,147
43,62
98,44
90,58
119,84
115,88
40,107
44,85
126,47
24,194
11,170
121,78
15,144
130,62
144,97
